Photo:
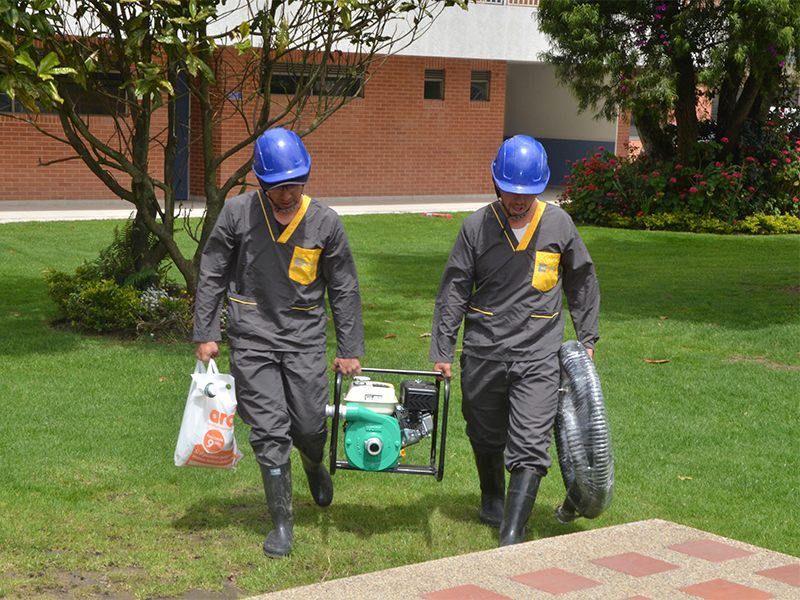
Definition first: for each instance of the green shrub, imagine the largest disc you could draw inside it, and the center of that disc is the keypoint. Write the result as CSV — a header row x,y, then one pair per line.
x,y
762,179
95,305
680,221
168,312
102,305
689,222
760,224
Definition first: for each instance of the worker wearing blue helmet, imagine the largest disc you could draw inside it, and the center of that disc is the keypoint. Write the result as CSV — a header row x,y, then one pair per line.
x,y
272,256
504,279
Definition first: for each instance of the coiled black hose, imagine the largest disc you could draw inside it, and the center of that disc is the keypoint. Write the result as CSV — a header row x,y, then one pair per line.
x,y
583,439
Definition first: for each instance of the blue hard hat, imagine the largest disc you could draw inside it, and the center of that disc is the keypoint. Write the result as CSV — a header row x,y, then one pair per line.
x,y
279,158
521,166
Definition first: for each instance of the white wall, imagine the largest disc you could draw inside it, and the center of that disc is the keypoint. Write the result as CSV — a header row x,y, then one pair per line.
x,y
485,31
535,102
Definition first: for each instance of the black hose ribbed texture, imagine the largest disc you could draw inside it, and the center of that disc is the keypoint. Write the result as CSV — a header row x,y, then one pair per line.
x,y
583,439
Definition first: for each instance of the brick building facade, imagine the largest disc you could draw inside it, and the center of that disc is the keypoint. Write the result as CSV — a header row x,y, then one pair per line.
x,y
390,142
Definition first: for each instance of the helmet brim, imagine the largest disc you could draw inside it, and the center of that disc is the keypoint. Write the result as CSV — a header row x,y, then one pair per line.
x,y
271,185
525,190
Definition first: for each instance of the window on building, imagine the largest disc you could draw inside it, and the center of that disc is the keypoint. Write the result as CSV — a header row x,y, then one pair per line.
x,y
479,86
634,134
434,84
104,97
338,80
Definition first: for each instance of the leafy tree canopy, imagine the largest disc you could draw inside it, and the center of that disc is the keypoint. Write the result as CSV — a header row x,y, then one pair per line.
x,y
655,58
130,56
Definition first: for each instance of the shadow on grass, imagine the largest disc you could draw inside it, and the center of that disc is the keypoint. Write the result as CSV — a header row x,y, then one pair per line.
x,y
248,511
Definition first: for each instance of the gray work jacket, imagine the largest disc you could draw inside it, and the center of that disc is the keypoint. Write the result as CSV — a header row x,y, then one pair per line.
x,y
509,293
275,282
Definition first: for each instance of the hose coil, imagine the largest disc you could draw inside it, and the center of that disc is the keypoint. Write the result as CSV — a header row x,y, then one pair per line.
x,y
583,438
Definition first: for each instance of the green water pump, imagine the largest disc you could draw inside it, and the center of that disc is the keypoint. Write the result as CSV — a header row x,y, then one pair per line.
x,y
378,426
372,441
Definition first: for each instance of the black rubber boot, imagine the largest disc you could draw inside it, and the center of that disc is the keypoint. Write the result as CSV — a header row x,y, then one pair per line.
x,y
319,481
278,489
523,485
492,476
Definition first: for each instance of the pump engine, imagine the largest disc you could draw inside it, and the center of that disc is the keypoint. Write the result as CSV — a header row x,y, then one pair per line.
x,y
377,427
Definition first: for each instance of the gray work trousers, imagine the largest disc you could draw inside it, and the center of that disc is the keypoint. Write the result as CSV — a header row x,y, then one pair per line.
x,y
282,396
511,407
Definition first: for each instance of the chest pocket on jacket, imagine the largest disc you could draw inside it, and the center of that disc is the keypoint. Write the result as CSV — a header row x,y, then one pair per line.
x,y
545,270
304,265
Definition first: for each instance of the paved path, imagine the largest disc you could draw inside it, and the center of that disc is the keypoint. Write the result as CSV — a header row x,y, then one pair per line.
x,y
64,210
655,560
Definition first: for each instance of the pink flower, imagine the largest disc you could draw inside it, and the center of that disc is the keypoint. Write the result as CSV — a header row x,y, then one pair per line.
x,y
718,164
656,173
673,180
693,190
702,183
724,140
751,159
796,199
752,189
678,166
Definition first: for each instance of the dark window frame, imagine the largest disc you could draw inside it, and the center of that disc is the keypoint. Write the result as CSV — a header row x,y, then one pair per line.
x,y
480,86
339,80
434,84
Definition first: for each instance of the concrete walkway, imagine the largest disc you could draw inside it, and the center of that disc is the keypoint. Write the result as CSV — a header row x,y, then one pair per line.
x,y
647,560
64,210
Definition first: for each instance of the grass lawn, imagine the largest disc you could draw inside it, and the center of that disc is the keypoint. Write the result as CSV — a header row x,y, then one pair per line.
x,y
708,436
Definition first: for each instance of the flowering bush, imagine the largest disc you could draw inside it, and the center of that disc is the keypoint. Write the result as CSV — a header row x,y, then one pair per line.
x,y
766,181
102,305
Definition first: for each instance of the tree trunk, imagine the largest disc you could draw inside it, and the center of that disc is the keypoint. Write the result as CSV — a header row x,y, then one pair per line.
x,y
686,106
740,113
656,142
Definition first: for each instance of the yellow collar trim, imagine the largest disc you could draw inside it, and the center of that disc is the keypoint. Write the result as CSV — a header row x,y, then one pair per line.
x,y
537,216
287,233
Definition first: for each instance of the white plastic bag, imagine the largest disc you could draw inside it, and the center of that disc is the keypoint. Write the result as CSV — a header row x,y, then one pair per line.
x,y
206,437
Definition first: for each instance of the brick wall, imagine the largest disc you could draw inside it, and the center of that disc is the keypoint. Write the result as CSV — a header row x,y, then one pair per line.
x,y
391,142
34,166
